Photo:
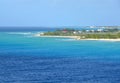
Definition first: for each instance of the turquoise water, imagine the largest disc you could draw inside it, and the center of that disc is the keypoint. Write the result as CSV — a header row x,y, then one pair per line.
x,y
24,43
25,58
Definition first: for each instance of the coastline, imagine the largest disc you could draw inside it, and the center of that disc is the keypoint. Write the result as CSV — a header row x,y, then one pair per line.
x,y
77,38
74,37
114,40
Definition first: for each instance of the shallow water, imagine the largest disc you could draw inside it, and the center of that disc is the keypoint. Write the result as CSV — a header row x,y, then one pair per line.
x,y
28,59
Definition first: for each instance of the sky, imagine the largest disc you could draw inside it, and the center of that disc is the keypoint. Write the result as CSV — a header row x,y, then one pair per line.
x,y
54,13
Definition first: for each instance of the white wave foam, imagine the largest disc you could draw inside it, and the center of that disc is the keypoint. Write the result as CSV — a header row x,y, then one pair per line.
x,y
21,33
25,34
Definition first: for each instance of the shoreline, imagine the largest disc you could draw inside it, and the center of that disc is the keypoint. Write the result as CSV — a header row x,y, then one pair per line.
x,y
78,38
103,39
74,37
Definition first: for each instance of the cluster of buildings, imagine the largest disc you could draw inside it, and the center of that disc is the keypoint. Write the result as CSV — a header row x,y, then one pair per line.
x,y
98,30
93,30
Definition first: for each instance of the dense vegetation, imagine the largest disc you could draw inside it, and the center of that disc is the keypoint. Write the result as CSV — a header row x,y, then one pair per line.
x,y
103,35
63,32
107,33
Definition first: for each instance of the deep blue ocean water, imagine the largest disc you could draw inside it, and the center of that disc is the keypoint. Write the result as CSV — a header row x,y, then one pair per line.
x,y
25,58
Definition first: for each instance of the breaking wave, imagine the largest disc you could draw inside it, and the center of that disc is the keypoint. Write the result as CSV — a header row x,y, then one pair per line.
x,y
21,33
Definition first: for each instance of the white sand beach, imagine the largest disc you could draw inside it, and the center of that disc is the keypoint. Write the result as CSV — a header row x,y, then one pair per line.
x,y
77,38
103,39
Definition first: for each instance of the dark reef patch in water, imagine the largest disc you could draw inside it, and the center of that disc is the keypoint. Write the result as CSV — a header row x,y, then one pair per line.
x,y
34,69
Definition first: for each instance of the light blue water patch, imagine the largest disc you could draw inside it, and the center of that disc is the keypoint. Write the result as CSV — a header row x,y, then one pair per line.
x,y
24,43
